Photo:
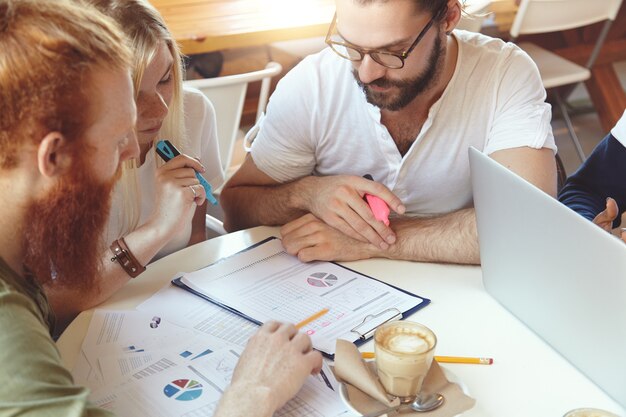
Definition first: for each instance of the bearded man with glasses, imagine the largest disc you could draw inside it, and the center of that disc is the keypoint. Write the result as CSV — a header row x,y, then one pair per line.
x,y
400,95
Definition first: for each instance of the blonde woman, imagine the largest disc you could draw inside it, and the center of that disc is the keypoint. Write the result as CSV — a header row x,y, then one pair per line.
x,y
158,207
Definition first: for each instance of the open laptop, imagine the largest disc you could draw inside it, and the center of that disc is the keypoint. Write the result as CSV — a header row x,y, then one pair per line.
x,y
560,274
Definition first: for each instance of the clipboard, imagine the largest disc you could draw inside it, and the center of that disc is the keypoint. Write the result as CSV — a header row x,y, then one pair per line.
x,y
360,332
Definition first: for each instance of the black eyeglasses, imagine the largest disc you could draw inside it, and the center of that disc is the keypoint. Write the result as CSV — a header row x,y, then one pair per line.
x,y
393,60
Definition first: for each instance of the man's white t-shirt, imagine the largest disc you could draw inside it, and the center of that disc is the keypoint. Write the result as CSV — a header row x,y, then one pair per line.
x,y
619,130
202,143
318,122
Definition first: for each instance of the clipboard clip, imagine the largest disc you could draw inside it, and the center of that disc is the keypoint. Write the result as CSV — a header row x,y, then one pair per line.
x,y
370,323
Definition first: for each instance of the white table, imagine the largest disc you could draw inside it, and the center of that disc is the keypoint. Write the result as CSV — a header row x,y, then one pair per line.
x,y
528,378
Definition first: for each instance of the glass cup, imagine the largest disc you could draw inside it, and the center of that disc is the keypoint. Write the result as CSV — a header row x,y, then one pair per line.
x,y
589,412
404,352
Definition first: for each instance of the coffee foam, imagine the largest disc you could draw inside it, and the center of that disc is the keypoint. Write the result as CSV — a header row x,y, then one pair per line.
x,y
407,343
405,340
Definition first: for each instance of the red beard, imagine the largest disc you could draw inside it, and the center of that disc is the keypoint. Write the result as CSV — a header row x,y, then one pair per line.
x,y
63,235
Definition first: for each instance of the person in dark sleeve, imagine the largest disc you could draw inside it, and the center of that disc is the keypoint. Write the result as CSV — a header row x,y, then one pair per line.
x,y
597,190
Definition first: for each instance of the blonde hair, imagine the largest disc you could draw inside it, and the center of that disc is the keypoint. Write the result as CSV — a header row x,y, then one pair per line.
x,y
145,29
50,51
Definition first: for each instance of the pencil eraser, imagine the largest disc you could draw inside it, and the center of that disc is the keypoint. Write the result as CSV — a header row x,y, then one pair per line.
x,y
379,208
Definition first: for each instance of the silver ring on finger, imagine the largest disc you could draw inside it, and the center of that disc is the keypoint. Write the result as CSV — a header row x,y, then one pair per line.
x,y
195,195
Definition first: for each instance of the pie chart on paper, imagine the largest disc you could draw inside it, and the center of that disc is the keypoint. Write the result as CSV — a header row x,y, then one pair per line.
x,y
321,279
183,390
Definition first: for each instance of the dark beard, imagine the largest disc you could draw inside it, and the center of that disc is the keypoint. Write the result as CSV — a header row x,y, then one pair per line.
x,y
63,235
408,89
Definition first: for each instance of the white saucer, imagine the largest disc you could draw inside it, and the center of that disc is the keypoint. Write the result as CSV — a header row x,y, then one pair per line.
x,y
450,376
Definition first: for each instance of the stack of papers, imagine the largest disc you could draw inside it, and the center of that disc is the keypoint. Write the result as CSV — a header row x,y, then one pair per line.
x,y
174,356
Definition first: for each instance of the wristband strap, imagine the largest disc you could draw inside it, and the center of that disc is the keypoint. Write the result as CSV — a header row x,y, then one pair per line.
x,y
125,258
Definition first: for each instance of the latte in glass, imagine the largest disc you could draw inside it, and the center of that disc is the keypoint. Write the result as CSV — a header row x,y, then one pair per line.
x,y
404,352
589,412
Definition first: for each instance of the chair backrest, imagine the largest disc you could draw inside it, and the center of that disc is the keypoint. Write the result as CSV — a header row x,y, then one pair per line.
x,y
474,13
227,95
540,16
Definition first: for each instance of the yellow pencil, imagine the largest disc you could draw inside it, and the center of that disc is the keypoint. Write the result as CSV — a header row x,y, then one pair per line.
x,y
312,318
462,359
445,359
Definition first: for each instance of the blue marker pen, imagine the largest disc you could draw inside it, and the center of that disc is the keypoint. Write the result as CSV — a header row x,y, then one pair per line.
x,y
167,151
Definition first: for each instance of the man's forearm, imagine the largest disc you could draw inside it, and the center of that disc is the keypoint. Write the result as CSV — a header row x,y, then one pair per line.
x,y
450,238
248,206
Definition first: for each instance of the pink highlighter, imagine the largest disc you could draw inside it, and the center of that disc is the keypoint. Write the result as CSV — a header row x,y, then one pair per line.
x,y
377,205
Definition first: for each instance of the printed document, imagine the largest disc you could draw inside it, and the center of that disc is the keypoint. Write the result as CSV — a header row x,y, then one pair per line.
x,y
188,310
182,377
265,283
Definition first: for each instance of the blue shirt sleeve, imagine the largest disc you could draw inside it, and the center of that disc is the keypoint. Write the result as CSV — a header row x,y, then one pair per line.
x,y
601,176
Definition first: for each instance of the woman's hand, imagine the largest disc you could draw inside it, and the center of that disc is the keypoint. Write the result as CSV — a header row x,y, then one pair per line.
x,y
178,193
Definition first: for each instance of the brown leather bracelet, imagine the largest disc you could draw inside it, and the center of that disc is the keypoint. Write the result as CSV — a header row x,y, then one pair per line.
x,y
125,258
